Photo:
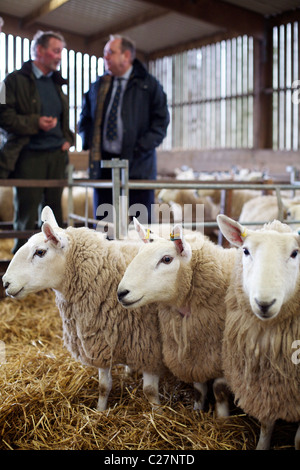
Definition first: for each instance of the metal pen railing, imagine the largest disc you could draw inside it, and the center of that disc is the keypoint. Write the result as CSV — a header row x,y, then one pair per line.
x,y
121,185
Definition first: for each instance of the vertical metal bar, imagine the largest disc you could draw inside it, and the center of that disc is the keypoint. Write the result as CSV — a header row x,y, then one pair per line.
x,y
116,194
86,206
292,79
298,67
6,54
234,91
21,52
279,85
228,93
203,96
75,95
285,88
124,199
70,170
14,51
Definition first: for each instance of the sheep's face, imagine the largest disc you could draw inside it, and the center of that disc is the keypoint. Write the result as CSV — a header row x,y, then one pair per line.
x,y
293,213
151,276
270,265
37,265
270,271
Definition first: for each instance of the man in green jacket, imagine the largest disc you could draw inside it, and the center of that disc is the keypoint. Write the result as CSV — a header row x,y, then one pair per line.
x,y
35,117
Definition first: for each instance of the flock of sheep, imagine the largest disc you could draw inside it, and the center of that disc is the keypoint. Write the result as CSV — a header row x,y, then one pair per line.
x,y
247,205
180,305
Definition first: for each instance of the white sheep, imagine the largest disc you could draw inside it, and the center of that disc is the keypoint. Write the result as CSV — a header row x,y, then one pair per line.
x,y
78,194
262,324
189,283
84,269
180,197
6,204
266,208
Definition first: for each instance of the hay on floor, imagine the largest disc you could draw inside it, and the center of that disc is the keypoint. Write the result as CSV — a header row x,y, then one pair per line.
x,y
48,400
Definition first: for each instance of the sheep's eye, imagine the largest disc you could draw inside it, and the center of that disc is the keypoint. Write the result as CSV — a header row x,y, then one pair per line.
x,y
40,253
246,251
166,259
294,254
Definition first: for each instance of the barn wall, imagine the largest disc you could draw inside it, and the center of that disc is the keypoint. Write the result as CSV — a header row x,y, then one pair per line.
x,y
274,162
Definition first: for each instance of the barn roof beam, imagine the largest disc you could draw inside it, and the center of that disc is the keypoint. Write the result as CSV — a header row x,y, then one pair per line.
x,y
36,14
137,20
227,16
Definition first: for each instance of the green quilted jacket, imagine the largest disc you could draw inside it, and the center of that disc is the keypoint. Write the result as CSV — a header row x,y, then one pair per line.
x,y
19,116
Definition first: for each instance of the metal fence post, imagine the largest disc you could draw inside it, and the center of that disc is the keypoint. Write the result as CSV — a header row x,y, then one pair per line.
x,y
118,180
70,169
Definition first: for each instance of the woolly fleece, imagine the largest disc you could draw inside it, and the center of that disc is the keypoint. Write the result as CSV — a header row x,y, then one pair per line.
x,y
192,344
257,355
97,330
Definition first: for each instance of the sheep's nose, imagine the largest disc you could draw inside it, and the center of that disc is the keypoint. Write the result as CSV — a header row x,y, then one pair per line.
x,y
5,284
122,294
264,306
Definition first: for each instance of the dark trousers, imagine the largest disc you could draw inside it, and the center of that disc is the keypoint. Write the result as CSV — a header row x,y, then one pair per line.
x,y
142,197
29,201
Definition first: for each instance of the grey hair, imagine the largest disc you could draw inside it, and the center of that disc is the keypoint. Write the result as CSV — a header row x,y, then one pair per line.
x,y
127,44
42,38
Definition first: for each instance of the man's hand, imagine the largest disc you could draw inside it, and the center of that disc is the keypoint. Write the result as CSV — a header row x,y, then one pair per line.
x,y
66,145
46,123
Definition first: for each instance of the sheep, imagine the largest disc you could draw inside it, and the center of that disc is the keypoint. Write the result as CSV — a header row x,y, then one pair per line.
x,y
180,197
266,208
78,195
6,204
84,269
262,323
176,198
188,282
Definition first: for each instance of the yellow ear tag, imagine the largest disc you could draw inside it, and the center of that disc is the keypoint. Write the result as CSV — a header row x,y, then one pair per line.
x,y
174,236
147,234
244,234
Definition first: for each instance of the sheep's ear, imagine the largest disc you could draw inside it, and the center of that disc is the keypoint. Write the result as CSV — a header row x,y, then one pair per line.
x,y
58,241
234,232
182,246
48,216
142,231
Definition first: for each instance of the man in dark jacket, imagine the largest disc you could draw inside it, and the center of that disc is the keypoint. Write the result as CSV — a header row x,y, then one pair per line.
x,y
36,119
141,118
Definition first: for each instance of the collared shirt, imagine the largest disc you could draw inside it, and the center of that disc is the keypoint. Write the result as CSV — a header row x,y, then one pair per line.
x,y
115,146
38,73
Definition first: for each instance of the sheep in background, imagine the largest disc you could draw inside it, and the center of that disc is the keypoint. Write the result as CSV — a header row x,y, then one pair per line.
x,y
189,283
6,204
262,324
79,195
265,209
79,200
84,269
177,198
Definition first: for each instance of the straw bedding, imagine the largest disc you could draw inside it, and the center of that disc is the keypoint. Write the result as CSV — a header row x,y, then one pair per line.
x,y
48,400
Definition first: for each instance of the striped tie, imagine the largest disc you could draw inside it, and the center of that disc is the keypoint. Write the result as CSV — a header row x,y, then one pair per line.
x,y
111,131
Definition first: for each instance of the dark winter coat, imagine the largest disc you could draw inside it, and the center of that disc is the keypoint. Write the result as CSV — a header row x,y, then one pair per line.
x,y
145,120
19,116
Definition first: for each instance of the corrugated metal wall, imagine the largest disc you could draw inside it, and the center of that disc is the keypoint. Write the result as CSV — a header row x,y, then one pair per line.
x,y
286,97
211,93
